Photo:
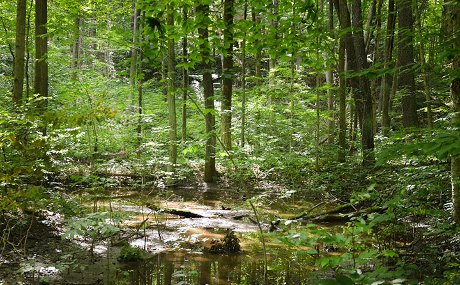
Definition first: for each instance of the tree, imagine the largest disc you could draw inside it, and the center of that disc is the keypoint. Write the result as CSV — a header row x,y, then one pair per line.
x,y
171,92
387,77
455,93
357,62
227,74
41,53
185,80
20,47
406,80
202,13
134,53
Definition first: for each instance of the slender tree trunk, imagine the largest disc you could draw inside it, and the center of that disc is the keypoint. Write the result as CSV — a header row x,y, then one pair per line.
x,y
274,23
185,82
27,75
134,55
377,57
19,53
77,47
368,27
257,44
172,94
424,68
406,81
227,71
41,53
140,87
202,12
330,82
455,93
387,77
243,81
342,103
366,114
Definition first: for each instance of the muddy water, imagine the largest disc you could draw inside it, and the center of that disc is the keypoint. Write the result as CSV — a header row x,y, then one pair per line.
x,y
177,228
180,244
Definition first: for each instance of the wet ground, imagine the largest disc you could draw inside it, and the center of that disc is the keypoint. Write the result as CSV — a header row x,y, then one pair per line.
x,y
176,228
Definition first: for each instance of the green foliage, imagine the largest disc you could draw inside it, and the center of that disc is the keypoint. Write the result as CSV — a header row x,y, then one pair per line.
x,y
131,254
94,227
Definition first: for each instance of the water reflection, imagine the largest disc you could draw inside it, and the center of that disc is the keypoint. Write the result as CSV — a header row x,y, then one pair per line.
x,y
180,268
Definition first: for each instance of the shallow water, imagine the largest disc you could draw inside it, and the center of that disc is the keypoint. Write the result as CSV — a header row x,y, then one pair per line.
x,y
177,246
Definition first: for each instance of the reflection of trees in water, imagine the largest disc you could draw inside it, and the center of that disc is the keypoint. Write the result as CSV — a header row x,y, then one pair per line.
x,y
174,268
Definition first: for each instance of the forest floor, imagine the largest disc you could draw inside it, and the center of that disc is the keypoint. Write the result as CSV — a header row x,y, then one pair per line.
x,y
85,247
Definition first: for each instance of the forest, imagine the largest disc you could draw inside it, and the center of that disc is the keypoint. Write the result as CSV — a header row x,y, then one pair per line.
x,y
230,142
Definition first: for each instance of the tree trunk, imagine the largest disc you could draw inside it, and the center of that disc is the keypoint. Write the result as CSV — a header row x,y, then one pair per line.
x,y
140,89
41,53
171,94
424,68
342,103
406,81
134,55
185,82
365,111
330,82
19,53
455,93
77,47
202,12
387,77
27,69
227,74
368,27
257,44
243,80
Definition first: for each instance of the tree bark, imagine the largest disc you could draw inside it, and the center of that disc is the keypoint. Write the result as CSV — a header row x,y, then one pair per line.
x,y
134,54
171,94
330,82
41,53
387,77
406,81
185,81
357,62
424,67
77,47
202,12
19,53
227,74
243,81
455,93
342,103
257,44
365,113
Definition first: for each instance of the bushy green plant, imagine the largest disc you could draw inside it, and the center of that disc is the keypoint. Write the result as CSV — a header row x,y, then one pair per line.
x,y
131,254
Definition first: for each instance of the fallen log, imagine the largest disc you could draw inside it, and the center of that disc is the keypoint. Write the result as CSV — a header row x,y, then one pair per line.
x,y
181,213
343,208
329,217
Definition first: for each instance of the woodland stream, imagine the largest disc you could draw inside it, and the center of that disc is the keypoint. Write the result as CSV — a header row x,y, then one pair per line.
x,y
176,230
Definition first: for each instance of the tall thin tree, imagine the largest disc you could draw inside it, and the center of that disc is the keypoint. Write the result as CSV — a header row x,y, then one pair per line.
x,y
455,93
227,74
171,92
41,53
202,12
20,47
406,80
388,76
